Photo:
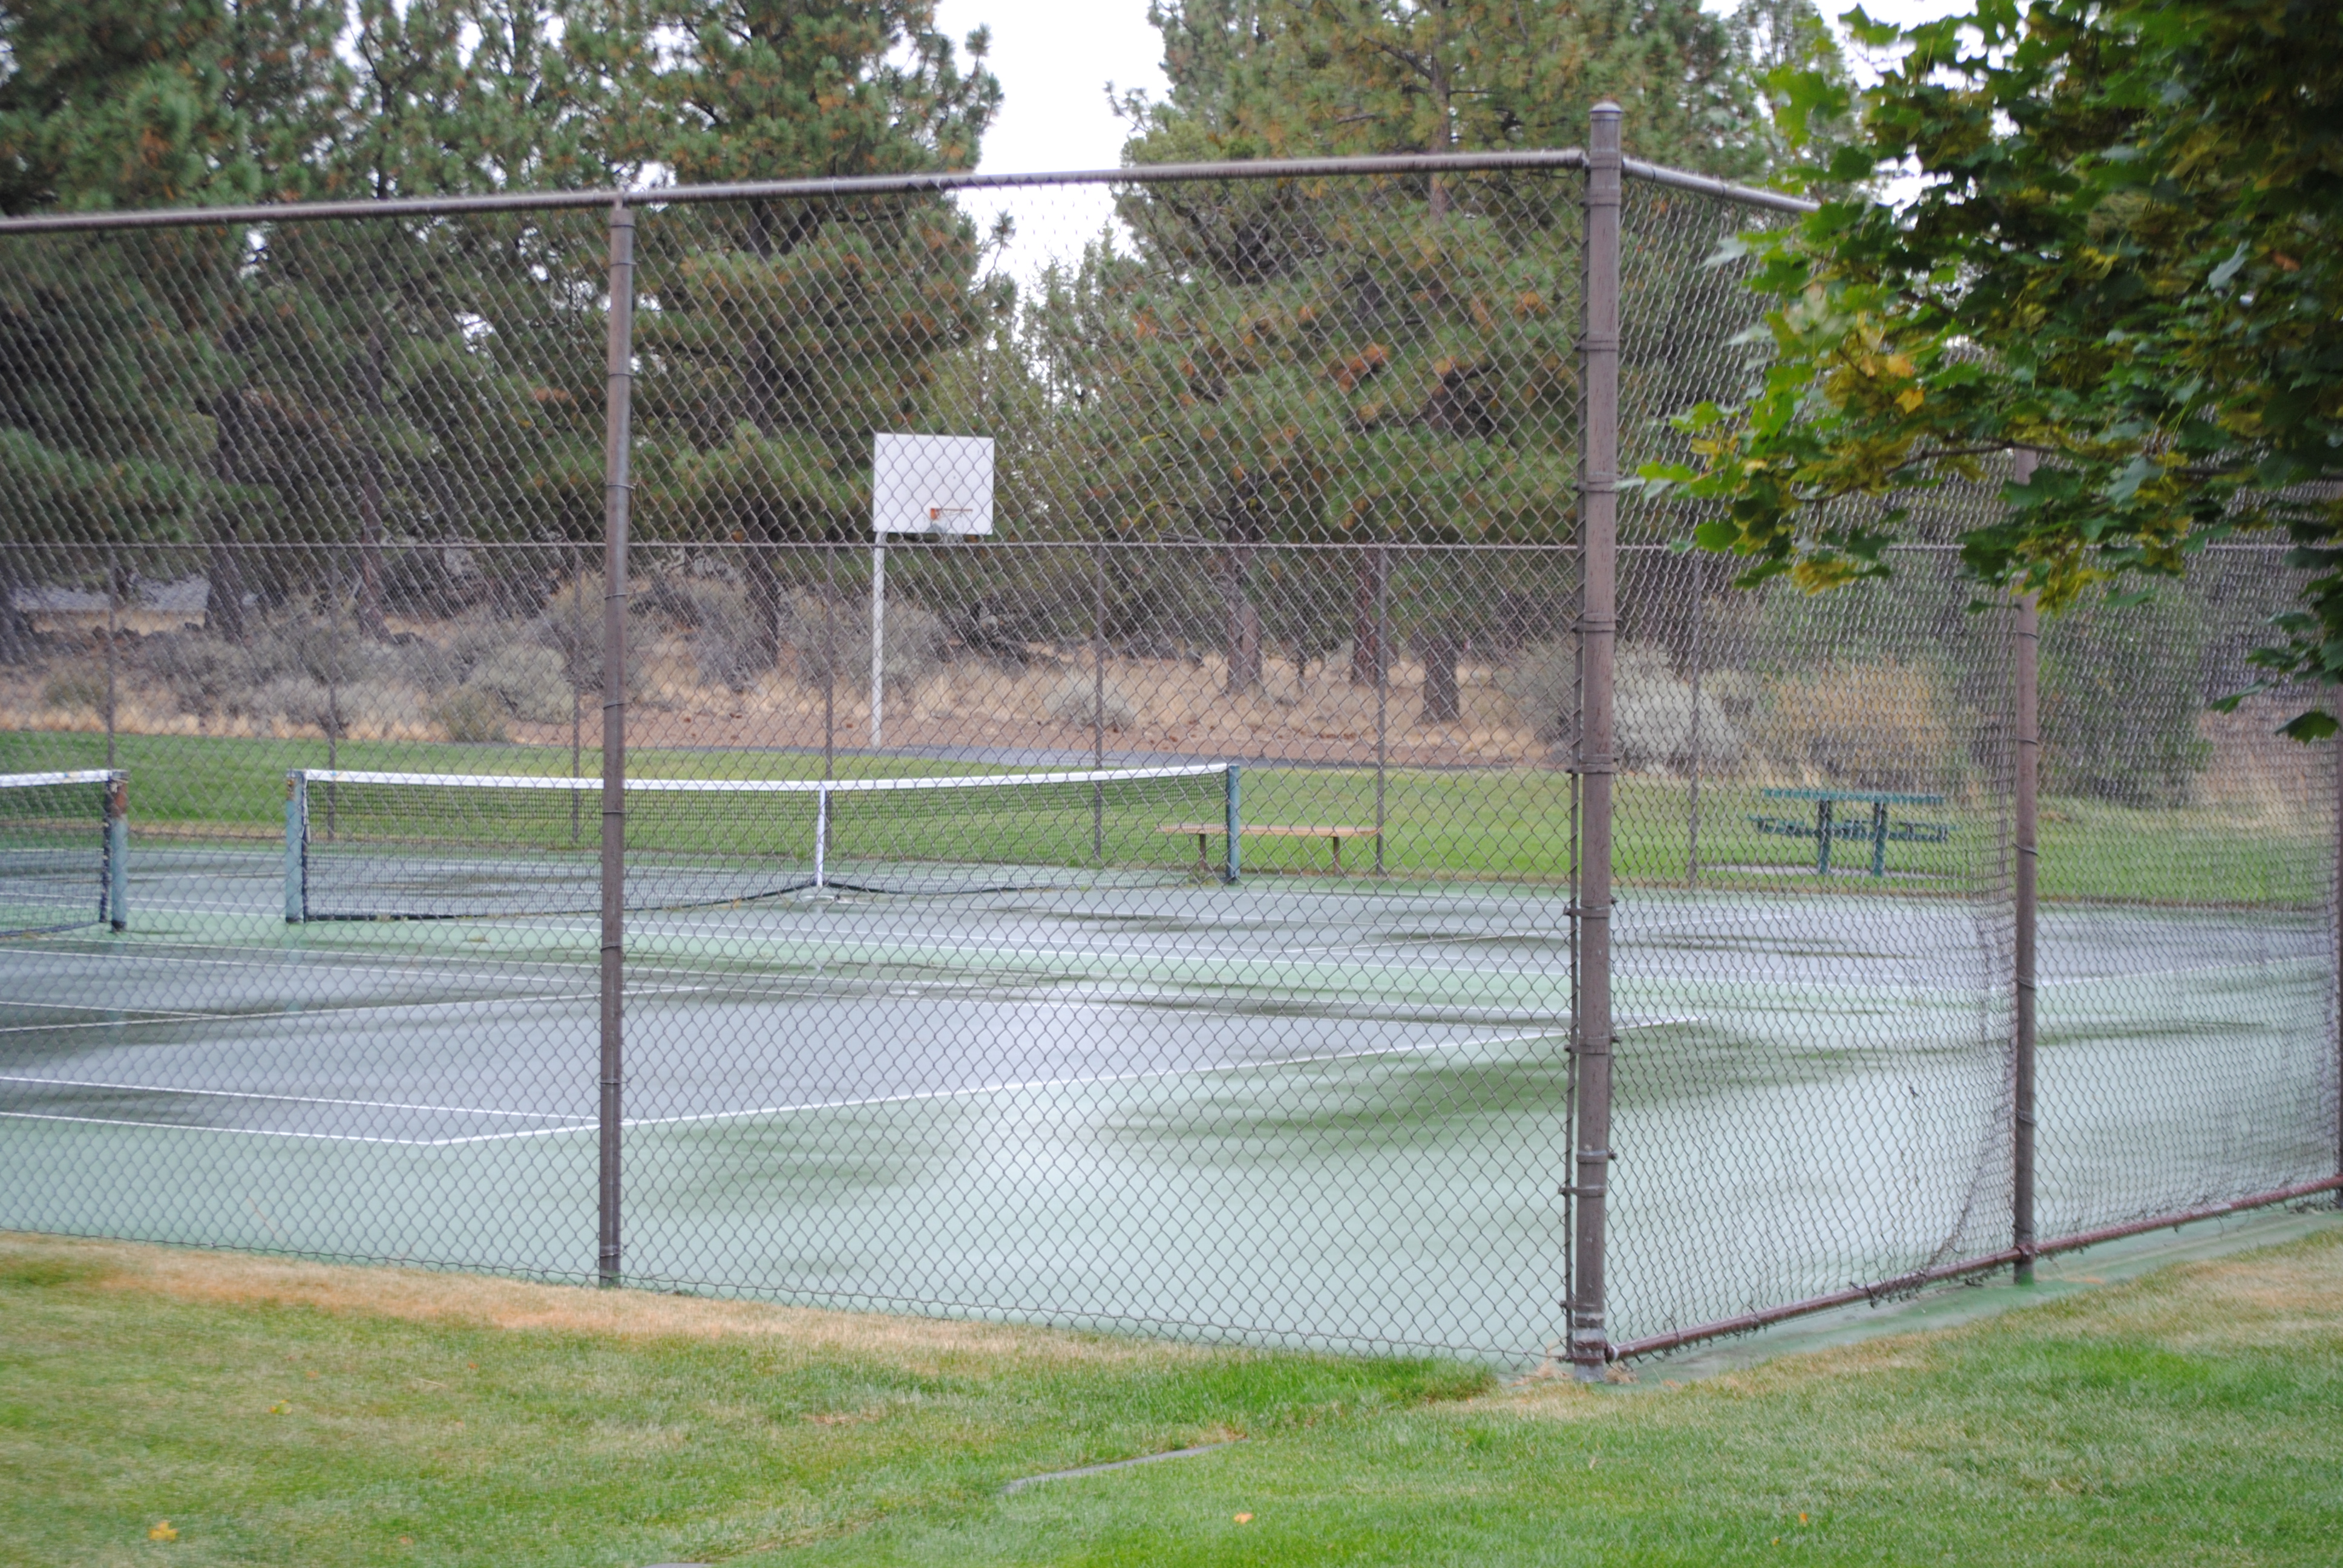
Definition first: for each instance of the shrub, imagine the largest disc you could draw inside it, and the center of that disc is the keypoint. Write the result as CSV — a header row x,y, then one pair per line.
x,y
474,714
76,685
2121,700
201,671
1652,708
840,640
296,698
571,626
727,644
1870,726
1078,699
528,678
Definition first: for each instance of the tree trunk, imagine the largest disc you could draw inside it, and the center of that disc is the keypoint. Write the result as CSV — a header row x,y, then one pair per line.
x,y
224,603
1441,705
1366,633
15,626
766,601
224,598
1244,630
370,617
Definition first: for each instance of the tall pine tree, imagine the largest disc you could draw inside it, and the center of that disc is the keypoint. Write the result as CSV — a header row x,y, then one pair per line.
x,y
779,335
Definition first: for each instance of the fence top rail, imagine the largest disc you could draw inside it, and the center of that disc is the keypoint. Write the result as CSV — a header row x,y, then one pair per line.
x,y
1527,159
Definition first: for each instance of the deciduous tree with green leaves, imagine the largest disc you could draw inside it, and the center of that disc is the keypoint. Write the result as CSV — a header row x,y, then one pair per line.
x,y
2123,253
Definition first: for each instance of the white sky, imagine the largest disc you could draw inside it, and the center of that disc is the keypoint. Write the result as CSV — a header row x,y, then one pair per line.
x,y
1054,58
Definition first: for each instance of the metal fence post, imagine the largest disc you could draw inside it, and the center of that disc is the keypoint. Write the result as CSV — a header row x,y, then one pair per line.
x,y
1598,514
2025,648
617,421
1382,693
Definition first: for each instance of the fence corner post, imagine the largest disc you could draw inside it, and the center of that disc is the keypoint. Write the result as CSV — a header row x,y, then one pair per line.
x,y
618,435
1589,1346
2025,648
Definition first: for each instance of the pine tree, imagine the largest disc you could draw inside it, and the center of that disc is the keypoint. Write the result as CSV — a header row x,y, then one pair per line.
x,y
1427,327
786,333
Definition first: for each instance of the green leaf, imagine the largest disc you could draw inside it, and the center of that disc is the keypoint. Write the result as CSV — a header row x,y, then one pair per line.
x,y
2316,725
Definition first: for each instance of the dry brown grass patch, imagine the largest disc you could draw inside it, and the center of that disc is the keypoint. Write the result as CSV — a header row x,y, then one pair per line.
x,y
417,1295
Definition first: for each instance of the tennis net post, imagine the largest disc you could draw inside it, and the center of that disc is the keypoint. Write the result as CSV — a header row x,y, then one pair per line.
x,y
297,847
1234,824
115,906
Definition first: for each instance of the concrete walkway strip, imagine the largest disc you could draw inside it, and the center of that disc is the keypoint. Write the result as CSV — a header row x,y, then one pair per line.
x,y
1022,1482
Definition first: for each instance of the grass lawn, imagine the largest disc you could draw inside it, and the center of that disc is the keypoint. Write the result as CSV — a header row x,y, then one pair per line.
x,y
1508,823
278,1413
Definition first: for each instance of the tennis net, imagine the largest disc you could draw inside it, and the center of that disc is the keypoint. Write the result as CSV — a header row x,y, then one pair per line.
x,y
362,846
63,851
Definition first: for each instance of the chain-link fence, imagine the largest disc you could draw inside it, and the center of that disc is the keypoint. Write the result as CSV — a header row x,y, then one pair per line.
x,y
564,836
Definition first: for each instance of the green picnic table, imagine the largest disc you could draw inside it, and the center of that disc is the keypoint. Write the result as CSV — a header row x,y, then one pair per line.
x,y
1878,829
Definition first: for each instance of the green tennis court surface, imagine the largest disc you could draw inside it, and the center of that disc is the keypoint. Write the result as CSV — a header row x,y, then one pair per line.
x,y
1211,1105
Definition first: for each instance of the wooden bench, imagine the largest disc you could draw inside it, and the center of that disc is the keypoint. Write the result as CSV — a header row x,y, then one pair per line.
x,y
1205,832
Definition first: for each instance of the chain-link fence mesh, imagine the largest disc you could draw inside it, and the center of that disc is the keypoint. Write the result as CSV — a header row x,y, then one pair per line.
x,y
303,534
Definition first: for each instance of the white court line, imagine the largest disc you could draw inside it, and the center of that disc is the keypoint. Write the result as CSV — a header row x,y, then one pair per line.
x,y
241,1132
287,1098
916,1097
282,1014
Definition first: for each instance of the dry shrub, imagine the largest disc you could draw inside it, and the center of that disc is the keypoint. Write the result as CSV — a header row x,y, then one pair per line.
x,y
529,679
1079,700
1652,707
474,714
834,641
1876,726
76,685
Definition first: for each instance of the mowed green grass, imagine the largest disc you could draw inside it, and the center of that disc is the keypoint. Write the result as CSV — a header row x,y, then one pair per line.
x,y
257,1411
1509,824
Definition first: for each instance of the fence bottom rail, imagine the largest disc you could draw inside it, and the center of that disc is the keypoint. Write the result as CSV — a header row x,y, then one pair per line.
x,y
1905,1284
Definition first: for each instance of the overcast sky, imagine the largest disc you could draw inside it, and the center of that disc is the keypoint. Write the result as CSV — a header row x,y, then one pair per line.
x,y
1054,58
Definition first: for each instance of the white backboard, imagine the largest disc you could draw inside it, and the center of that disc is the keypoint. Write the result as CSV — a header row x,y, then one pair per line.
x,y
931,485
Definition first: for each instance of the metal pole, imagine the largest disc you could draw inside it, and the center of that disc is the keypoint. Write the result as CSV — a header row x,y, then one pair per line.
x,y
2335,914
878,636
333,701
1691,851
1598,480
829,665
576,697
110,636
618,494
118,852
2026,646
296,849
1382,690
1233,824
1098,704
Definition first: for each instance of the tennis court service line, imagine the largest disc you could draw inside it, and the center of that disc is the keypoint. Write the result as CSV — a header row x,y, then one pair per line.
x,y
580,1125
287,1098
277,1014
977,1091
588,1125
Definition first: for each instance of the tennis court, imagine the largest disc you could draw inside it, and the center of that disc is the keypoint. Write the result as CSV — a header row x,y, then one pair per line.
x,y
1209,1104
